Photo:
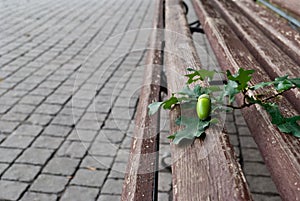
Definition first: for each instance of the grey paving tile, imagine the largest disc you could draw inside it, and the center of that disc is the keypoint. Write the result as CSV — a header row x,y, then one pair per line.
x,y
261,197
73,149
8,127
255,169
35,156
103,149
82,135
48,109
12,116
113,136
79,193
113,186
261,184
32,196
49,184
17,141
23,108
40,119
11,190
97,162
21,172
9,155
57,130
3,166
92,178
27,129
109,197
61,166
48,142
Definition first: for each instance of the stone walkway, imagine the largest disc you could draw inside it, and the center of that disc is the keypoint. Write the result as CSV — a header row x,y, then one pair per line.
x,y
71,75
65,115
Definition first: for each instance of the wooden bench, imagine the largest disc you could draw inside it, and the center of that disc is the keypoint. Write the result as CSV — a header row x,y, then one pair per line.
x,y
239,38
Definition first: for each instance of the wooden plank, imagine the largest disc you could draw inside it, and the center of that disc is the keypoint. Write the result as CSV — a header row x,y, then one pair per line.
x,y
140,179
271,57
281,152
291,6
274,27
207,169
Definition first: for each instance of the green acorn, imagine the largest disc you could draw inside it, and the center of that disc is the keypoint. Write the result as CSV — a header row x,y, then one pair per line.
x,y
203,106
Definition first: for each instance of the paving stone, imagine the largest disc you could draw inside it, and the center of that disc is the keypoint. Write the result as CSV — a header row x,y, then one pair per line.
x,y
32,196
118,170
126,143
261,184
255,169
23,108
40,119
48,142
7,126
27,129
21,172
48,109
32,100
117,124
89,125
12,116
78,193
65,120
163,196
73,149
49,184
252,155
61,166
57,130
247,142
82,135
122,156
92,178
103,149
112,186
164,181
3,167
97,162
243,130
17,141
35,156
239,120
113,136
260,197
109,197
231,128
9,155
11,190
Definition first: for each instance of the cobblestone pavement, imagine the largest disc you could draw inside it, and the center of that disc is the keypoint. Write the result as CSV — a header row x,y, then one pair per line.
x,y
65,121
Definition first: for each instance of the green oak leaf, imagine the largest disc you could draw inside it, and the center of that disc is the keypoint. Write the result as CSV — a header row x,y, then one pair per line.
x,y
167,105
296,82
242,77
201,74
193,127
154,107
230,90
283,83
291,126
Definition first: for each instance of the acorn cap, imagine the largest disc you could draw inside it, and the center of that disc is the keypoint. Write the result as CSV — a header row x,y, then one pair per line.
x,y
204,96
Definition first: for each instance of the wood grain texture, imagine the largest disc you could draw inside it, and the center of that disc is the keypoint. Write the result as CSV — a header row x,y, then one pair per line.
x,y
281,152
290,6
140,179
206,169
270,56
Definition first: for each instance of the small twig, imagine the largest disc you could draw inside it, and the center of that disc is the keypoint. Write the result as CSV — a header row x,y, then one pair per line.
x,y
278,94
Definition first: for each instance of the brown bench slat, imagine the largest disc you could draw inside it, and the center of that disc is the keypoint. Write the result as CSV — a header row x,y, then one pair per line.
x,y
207,169
291,6
276,28
274,61
140,182
281,152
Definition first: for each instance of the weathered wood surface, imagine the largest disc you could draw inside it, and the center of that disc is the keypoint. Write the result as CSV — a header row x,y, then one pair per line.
x,y
281,152
207,169
270,56
140,179
291,6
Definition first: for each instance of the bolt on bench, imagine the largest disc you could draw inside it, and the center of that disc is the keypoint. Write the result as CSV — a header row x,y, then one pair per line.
x,y
241,35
